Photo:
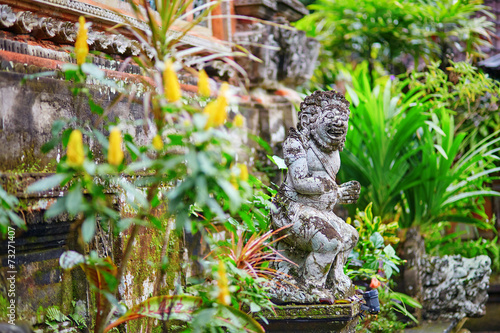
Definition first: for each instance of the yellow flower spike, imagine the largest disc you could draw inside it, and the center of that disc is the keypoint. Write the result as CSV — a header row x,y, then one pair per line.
x,y
158,142
81,46
224,296
222,103
234,181
203,84
210,110
217,110
75,149
243,172
115,152
239,120
171,84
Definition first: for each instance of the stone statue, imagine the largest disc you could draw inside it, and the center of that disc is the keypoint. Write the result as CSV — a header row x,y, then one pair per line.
x,y
318,241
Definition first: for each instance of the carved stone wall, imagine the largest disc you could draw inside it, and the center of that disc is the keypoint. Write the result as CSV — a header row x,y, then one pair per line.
x,y
292,10
56,15
288,56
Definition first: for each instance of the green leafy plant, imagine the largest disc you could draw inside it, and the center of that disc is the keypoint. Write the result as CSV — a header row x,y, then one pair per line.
x,y
53,317
380,140
406,155
375,259
449,26
364,30
465,90
253,215
372,258
9,205
183,308
246,293
387,33
442,179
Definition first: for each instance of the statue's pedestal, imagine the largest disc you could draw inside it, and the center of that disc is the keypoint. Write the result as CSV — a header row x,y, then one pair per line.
x,y
336,318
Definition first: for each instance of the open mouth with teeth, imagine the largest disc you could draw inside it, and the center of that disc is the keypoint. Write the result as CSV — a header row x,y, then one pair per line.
x,y
335,132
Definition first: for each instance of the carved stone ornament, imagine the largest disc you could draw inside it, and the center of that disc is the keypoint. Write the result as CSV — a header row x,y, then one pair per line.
x,y
287,55
292,10
46,28
318,241
264,9
25,22
64,32
7,17
454,287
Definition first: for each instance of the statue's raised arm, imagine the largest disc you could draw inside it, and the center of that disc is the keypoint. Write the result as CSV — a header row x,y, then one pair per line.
x,y
319,242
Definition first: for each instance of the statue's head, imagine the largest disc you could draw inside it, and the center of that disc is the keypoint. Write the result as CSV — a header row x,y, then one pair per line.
x,y
324,116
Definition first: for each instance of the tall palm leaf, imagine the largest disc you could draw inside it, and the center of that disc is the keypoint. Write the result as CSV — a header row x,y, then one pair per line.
x,y
381,139
447,180
406,156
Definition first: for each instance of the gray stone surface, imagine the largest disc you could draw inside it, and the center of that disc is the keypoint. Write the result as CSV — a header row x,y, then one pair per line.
x,y
27,112
288,55
318,241
455,287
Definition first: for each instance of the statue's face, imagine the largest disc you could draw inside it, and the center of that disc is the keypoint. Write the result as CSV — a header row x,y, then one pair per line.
x,y
329,130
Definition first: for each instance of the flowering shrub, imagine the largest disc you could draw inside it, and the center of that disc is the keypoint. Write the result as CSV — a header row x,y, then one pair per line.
x,y
188,165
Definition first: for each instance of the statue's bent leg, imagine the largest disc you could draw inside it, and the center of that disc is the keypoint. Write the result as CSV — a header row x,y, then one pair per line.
x,y
324,243
337,280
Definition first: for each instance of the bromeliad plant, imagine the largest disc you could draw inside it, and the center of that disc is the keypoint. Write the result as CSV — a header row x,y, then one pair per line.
x,y
246,286
186,166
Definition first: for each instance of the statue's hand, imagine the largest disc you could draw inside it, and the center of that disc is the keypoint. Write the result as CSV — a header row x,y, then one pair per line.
x,y
349,192
327,184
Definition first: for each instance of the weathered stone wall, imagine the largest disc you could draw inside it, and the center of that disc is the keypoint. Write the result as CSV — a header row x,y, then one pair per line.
x,y
28,111
41,283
